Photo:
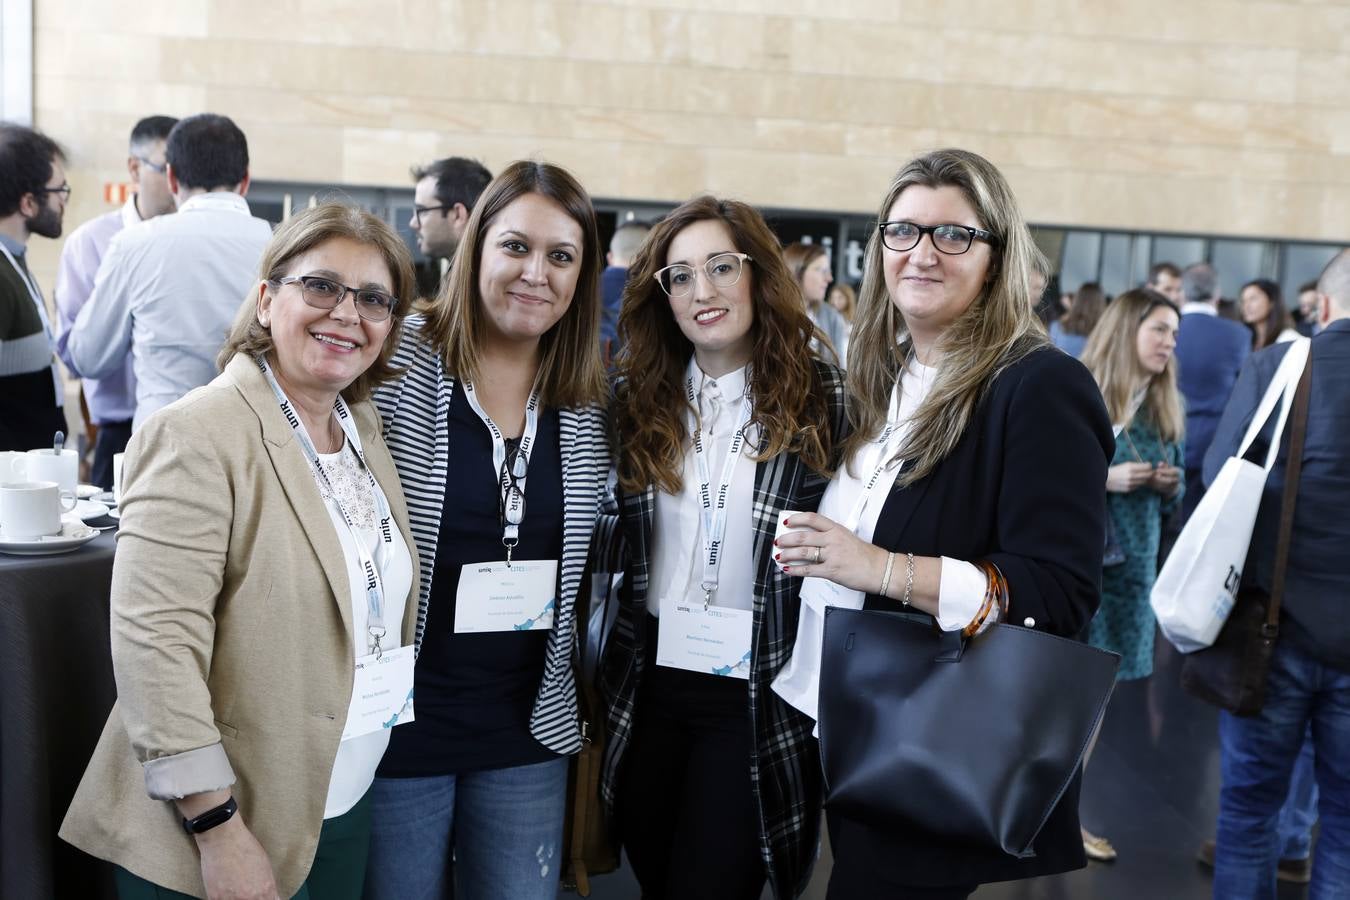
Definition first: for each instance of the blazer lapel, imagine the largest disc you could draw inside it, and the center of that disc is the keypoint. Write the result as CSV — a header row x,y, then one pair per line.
x,y
904,502
296,480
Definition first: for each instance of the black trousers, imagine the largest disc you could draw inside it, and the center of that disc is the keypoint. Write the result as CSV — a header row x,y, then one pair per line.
x,y
859,873
684,803
112,438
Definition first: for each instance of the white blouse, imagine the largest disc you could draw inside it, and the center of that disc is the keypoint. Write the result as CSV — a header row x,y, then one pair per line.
x,y
357,758
962,586
677,552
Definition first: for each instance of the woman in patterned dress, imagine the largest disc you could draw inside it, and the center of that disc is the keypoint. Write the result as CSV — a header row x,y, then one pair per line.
x,y
1131,355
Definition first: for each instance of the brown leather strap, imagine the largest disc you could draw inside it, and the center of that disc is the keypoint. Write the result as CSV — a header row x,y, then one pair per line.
x,y
1293,468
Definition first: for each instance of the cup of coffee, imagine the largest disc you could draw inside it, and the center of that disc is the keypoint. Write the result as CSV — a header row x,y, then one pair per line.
x,y
783,529
117,476
47,464
31,510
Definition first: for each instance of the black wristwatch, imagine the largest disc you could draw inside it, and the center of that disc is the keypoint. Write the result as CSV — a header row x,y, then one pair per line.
x,y
218,815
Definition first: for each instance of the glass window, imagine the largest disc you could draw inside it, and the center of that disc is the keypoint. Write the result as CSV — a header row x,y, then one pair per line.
x,y
1303,263
1116,257
1180,251
1081,260
1238,262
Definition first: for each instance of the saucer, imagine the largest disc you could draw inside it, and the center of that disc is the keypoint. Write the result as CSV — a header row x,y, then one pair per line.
x,y
106,498
87,491
74,534
88,509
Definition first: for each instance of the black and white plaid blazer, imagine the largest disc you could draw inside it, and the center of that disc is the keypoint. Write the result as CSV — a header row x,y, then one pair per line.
x,y
415,411
784,763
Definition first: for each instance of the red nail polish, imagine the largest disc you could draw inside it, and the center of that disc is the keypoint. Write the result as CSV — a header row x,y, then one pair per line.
x,y
778,556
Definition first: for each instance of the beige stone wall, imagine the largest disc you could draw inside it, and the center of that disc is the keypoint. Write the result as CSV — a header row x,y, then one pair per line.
x,y
1213,116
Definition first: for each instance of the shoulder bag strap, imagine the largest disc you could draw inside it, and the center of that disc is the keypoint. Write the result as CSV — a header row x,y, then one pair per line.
x,y
1292,470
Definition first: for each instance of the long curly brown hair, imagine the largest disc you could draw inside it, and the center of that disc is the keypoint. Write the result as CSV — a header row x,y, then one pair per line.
x,y
650,405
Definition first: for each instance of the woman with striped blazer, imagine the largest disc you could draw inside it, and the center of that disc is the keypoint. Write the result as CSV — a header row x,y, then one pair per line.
x,y
724,422
499,434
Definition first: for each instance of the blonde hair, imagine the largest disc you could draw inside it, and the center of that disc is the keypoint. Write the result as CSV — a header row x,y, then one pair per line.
x,y
996,330
1112,356
297,236
850,299
571,373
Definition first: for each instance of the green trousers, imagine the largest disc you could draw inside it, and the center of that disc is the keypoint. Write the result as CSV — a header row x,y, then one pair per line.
x,y
339,869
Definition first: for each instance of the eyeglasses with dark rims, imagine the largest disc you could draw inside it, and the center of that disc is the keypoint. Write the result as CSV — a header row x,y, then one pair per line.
x,y
952,240
325,293
722,270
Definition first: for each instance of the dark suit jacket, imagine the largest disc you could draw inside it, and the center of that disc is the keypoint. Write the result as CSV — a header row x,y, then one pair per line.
x,y
1315,607
1210,351
1025,489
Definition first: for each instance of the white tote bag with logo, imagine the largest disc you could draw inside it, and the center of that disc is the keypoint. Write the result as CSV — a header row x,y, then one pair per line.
x,y
1195,590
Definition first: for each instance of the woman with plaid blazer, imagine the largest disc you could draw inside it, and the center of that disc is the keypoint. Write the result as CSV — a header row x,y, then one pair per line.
x,y
724,421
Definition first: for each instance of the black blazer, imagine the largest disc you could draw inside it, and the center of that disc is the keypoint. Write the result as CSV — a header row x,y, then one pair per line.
x,y
1025,488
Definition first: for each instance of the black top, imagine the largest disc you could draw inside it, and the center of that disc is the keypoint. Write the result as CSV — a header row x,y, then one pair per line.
x,y
474,692
1022,489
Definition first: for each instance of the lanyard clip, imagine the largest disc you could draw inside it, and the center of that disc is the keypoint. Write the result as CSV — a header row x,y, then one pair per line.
x,y
509,544
375,635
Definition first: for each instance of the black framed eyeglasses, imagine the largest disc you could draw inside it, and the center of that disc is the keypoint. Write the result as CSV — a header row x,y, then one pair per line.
x,y
159,168
511,507
952,240
722,270
325,293
420,211
63,189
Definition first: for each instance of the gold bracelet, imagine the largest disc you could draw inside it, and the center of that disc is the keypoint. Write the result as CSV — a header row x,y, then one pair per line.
x,y
886,578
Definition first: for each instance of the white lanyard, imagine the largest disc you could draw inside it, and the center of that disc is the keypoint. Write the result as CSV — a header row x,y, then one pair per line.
x,y
892,425
715,513
374,583
30,283
512,501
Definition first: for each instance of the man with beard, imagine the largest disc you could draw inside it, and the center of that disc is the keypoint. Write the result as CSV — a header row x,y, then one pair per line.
x,y
445,193
33,195
112,399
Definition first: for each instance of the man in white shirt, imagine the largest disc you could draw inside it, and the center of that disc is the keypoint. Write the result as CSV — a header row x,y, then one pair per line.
x,y
168,289
112,399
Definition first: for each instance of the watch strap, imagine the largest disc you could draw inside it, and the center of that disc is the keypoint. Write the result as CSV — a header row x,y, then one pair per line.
x,y
217,815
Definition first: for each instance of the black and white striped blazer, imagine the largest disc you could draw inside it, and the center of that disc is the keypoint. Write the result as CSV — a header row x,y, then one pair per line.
x,y
415,411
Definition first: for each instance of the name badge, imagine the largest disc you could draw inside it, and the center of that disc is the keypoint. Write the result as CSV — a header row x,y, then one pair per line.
x,y
715,640
493,596
382,693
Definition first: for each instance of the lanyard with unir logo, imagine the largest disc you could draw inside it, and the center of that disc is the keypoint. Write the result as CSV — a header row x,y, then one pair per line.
x,y
512,501
714,506
374,583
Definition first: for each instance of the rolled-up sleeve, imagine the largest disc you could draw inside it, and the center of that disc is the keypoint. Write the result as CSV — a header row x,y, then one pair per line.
x,y
177,510
1051,521
100,339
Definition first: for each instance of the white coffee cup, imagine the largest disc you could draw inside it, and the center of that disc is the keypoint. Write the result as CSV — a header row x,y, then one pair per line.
x,y
784,529
48,465
7,458
30,510
117,476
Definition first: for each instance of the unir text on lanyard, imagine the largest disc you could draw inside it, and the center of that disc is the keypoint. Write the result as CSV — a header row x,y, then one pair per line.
x,y
512,501
375,625
714,512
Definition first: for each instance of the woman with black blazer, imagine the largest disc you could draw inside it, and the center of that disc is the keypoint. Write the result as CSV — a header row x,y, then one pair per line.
x,y
499,434
725,422
977,456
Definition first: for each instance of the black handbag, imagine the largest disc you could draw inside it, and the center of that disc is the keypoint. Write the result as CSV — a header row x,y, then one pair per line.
x,y
1231,673
975,741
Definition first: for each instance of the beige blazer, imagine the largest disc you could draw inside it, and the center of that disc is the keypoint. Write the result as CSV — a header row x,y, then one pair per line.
x,y
231,635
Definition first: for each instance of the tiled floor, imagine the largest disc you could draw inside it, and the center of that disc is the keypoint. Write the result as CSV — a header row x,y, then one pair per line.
x,y
1152,788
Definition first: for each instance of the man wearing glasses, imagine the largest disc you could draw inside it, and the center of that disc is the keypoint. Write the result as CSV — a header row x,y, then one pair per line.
x,y
170,287
442,200
33,195
112,399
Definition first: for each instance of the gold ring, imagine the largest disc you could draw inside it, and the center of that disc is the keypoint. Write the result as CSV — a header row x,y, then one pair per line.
x,y
817,559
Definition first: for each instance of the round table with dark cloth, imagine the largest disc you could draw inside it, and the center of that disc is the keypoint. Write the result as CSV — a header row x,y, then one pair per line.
x,y
56,689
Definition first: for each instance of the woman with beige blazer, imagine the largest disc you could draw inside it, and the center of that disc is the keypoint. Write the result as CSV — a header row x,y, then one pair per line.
x,y
261,629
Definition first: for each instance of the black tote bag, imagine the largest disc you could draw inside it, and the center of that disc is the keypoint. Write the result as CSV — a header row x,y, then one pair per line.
x,y
974,741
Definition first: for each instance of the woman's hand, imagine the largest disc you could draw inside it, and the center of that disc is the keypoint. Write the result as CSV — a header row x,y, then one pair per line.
x,y
1165,480
1126,477
234,864
829,550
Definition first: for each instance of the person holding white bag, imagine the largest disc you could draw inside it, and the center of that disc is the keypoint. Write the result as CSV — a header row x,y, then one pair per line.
x,y
1308,681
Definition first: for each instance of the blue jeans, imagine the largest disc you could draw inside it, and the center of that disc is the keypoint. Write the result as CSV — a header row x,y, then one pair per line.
x,y
502,827
1258,756
1299,813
